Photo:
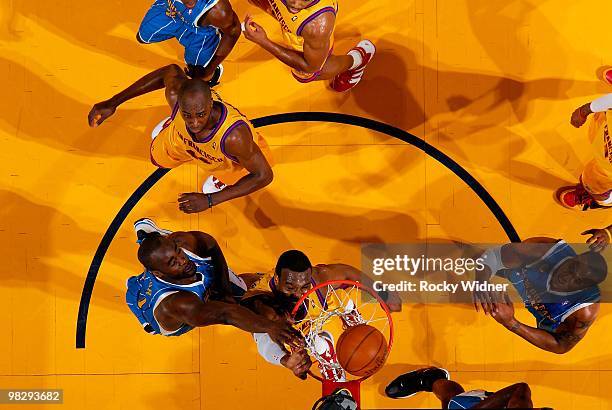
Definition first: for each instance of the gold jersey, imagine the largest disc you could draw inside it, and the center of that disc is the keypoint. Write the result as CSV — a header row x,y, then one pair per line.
x,y
175,144
597,175
293,24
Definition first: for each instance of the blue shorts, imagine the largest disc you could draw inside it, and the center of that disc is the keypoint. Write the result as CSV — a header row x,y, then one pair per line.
x,y
467,400
166,19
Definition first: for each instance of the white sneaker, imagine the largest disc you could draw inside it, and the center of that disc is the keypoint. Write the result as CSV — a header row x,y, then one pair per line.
x,y
159,127
330,367
212,185
146,225
351,316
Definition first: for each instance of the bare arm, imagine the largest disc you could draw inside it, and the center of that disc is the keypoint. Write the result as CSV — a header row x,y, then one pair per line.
x,y
601,104
169,77
188,308
239,145
225,19
317,40
519,395
207,246
567,335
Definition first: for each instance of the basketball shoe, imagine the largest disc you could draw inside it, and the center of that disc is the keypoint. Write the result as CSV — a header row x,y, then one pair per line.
x,y
328,364
607,76
144,226
212,185
350,78
351,316
409,384
575,196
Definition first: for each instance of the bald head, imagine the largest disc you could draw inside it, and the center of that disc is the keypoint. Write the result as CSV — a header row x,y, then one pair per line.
x,y
195,103
194,90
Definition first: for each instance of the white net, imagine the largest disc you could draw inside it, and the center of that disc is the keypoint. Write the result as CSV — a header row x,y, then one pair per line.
x,y
328,311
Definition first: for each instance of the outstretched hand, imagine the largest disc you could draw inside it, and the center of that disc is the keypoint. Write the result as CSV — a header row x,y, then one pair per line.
x,y
100,112
193,202
599,240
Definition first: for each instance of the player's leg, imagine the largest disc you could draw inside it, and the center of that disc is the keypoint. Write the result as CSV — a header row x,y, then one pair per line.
x,y
517,396
445,390
409,384
156,26
345,71
200,48
594,190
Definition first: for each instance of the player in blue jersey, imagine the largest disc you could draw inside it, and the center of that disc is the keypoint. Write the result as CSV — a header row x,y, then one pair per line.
x,y
558,286
207,29
452,395
187,284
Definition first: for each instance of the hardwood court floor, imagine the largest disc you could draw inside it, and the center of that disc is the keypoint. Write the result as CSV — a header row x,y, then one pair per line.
x,y
490,83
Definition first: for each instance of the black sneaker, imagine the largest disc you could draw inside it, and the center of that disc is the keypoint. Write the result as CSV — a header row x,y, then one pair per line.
x,y
216,78
409,384
197,71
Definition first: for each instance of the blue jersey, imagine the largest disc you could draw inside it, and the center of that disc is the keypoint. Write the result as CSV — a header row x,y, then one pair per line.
x,y
146,291
550,308
176,10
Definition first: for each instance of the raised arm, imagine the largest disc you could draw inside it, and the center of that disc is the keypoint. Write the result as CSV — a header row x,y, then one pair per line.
x,y
207,246
566,336
188,308
317,38
169,77
601,104
225,19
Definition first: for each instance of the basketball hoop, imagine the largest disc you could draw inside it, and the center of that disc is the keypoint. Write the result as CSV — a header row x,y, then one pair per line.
x,y
330,308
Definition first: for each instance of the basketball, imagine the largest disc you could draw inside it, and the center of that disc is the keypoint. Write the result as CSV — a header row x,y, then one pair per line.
x,y
362,350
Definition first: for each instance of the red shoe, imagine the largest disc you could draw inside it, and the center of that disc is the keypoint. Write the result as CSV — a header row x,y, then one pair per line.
x,y
349,79
607,76
328,361
576,196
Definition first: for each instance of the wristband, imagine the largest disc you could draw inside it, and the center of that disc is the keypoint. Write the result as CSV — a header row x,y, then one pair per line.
x,y
210,201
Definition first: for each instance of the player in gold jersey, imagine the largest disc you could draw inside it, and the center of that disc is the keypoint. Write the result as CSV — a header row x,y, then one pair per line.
x,y
211,132
308,31
595,187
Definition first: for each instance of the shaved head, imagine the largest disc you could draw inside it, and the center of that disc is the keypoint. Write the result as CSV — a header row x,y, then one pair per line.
x,y
194,91
195,103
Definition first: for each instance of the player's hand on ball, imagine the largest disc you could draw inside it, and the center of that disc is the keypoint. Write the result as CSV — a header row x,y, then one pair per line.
x,y
599,239
253,31
100,112
193,202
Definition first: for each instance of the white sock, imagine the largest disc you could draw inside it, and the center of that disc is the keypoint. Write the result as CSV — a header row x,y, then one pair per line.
x,y
357,59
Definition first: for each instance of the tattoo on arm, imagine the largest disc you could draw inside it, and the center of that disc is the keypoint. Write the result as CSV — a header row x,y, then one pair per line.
x,y
574,335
